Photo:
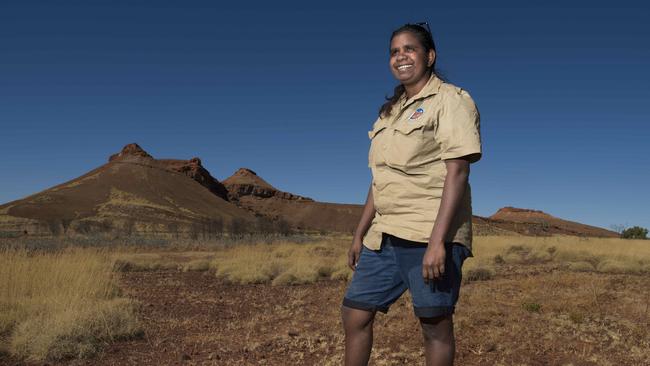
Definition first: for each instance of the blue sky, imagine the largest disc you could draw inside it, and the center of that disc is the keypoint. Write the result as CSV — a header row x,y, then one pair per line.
x,y
290,90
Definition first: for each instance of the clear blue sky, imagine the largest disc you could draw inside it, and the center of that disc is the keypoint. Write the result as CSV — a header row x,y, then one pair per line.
x,y
290,90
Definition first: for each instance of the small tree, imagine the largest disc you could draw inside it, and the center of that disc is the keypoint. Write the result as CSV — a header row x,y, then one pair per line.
x,y
635,232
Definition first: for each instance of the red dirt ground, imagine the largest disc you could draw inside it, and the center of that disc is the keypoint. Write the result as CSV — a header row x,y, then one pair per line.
x,y
193,318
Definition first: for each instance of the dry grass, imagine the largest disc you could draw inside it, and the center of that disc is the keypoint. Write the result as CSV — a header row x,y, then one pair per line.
x,y
283,263
60,305
298,263
286,262
290,263
604,255
129,261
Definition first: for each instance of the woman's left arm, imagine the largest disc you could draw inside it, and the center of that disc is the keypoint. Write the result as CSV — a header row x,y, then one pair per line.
x,y
433,262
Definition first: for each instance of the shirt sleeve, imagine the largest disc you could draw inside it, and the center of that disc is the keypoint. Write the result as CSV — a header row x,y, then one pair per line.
x,y
458,128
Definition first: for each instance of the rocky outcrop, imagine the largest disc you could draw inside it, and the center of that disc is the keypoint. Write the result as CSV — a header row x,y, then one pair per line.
x,y
521,215
193,169
246,182
133,153
130,150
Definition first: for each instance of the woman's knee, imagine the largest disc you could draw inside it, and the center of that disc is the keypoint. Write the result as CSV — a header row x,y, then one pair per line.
x,y
439,328
356,319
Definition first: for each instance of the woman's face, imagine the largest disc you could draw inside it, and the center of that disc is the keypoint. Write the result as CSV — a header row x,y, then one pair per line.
x,y
409,62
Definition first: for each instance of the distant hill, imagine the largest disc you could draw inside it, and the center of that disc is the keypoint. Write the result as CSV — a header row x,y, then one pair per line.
x,y
136,192
249,191
133,191
534,222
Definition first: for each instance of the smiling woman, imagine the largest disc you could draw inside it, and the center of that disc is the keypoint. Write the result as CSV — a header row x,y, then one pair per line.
x,y
412,55
415,231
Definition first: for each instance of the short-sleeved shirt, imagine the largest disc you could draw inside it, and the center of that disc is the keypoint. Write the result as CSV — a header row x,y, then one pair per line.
x,y
407,153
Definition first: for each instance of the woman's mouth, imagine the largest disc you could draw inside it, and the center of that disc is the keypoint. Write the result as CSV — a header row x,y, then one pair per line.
x,y
404,67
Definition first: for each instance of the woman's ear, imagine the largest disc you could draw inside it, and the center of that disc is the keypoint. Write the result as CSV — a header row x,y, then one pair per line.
x,y
431,58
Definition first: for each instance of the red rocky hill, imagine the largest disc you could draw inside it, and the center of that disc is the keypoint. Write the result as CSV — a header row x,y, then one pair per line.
x,y
534,222
133,191
250,191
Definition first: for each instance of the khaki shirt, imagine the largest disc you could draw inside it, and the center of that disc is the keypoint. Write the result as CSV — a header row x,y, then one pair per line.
x,y
407,153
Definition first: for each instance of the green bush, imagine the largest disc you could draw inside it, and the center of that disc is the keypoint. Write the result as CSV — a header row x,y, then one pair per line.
x,y
532,307
635,232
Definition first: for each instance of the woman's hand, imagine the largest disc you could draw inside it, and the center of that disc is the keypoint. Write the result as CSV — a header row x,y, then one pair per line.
x,y
353,253
433,262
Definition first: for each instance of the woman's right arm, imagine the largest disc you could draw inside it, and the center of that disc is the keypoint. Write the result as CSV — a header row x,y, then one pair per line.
x,y
364,224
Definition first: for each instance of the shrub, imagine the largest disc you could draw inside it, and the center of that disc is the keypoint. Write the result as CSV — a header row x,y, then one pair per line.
x,y
283,263
196,265
581,266
478,274
532,307
635,232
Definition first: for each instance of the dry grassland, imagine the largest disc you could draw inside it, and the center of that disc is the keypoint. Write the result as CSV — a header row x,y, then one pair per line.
x,y
525,301
604,255
61,305
291,263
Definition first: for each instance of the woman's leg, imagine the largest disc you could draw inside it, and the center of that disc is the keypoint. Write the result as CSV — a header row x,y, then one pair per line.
x,y
433,301
439,341
358,335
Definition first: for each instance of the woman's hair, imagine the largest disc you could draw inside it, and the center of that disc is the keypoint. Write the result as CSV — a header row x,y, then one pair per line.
x,y
426,40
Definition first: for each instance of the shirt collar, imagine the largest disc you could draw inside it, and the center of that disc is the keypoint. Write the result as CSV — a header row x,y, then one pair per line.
x,y
430,88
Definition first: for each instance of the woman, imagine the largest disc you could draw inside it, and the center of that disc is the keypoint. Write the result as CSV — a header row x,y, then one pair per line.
x,y
415,230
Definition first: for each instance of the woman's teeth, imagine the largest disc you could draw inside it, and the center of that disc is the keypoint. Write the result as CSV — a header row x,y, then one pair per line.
x,y
404,67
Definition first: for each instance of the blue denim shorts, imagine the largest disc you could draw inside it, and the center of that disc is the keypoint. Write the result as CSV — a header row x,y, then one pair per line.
x,y
382,276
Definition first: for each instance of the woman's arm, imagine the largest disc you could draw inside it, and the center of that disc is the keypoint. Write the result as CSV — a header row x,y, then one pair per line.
x,y
364,224
433,262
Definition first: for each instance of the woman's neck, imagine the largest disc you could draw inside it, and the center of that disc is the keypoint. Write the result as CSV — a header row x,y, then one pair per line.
x,y
415,88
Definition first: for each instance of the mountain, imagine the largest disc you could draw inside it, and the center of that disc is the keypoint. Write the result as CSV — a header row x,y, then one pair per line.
x,y
535,222
133,191
250,191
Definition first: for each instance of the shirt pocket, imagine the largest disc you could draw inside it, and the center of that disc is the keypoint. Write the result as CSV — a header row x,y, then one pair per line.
x,y
407,145
377,144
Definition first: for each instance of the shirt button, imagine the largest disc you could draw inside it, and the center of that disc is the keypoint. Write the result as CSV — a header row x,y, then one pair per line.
x,y
383,147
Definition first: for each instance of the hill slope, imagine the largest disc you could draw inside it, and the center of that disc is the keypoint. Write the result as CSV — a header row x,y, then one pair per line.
x,y
250,191
534,222
132,191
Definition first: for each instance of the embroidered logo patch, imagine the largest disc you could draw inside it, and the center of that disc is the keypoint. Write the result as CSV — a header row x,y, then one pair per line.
x,y
417,113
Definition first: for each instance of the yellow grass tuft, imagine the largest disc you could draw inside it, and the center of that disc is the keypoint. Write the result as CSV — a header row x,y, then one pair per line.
x,y
607,255
60,305
283,263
